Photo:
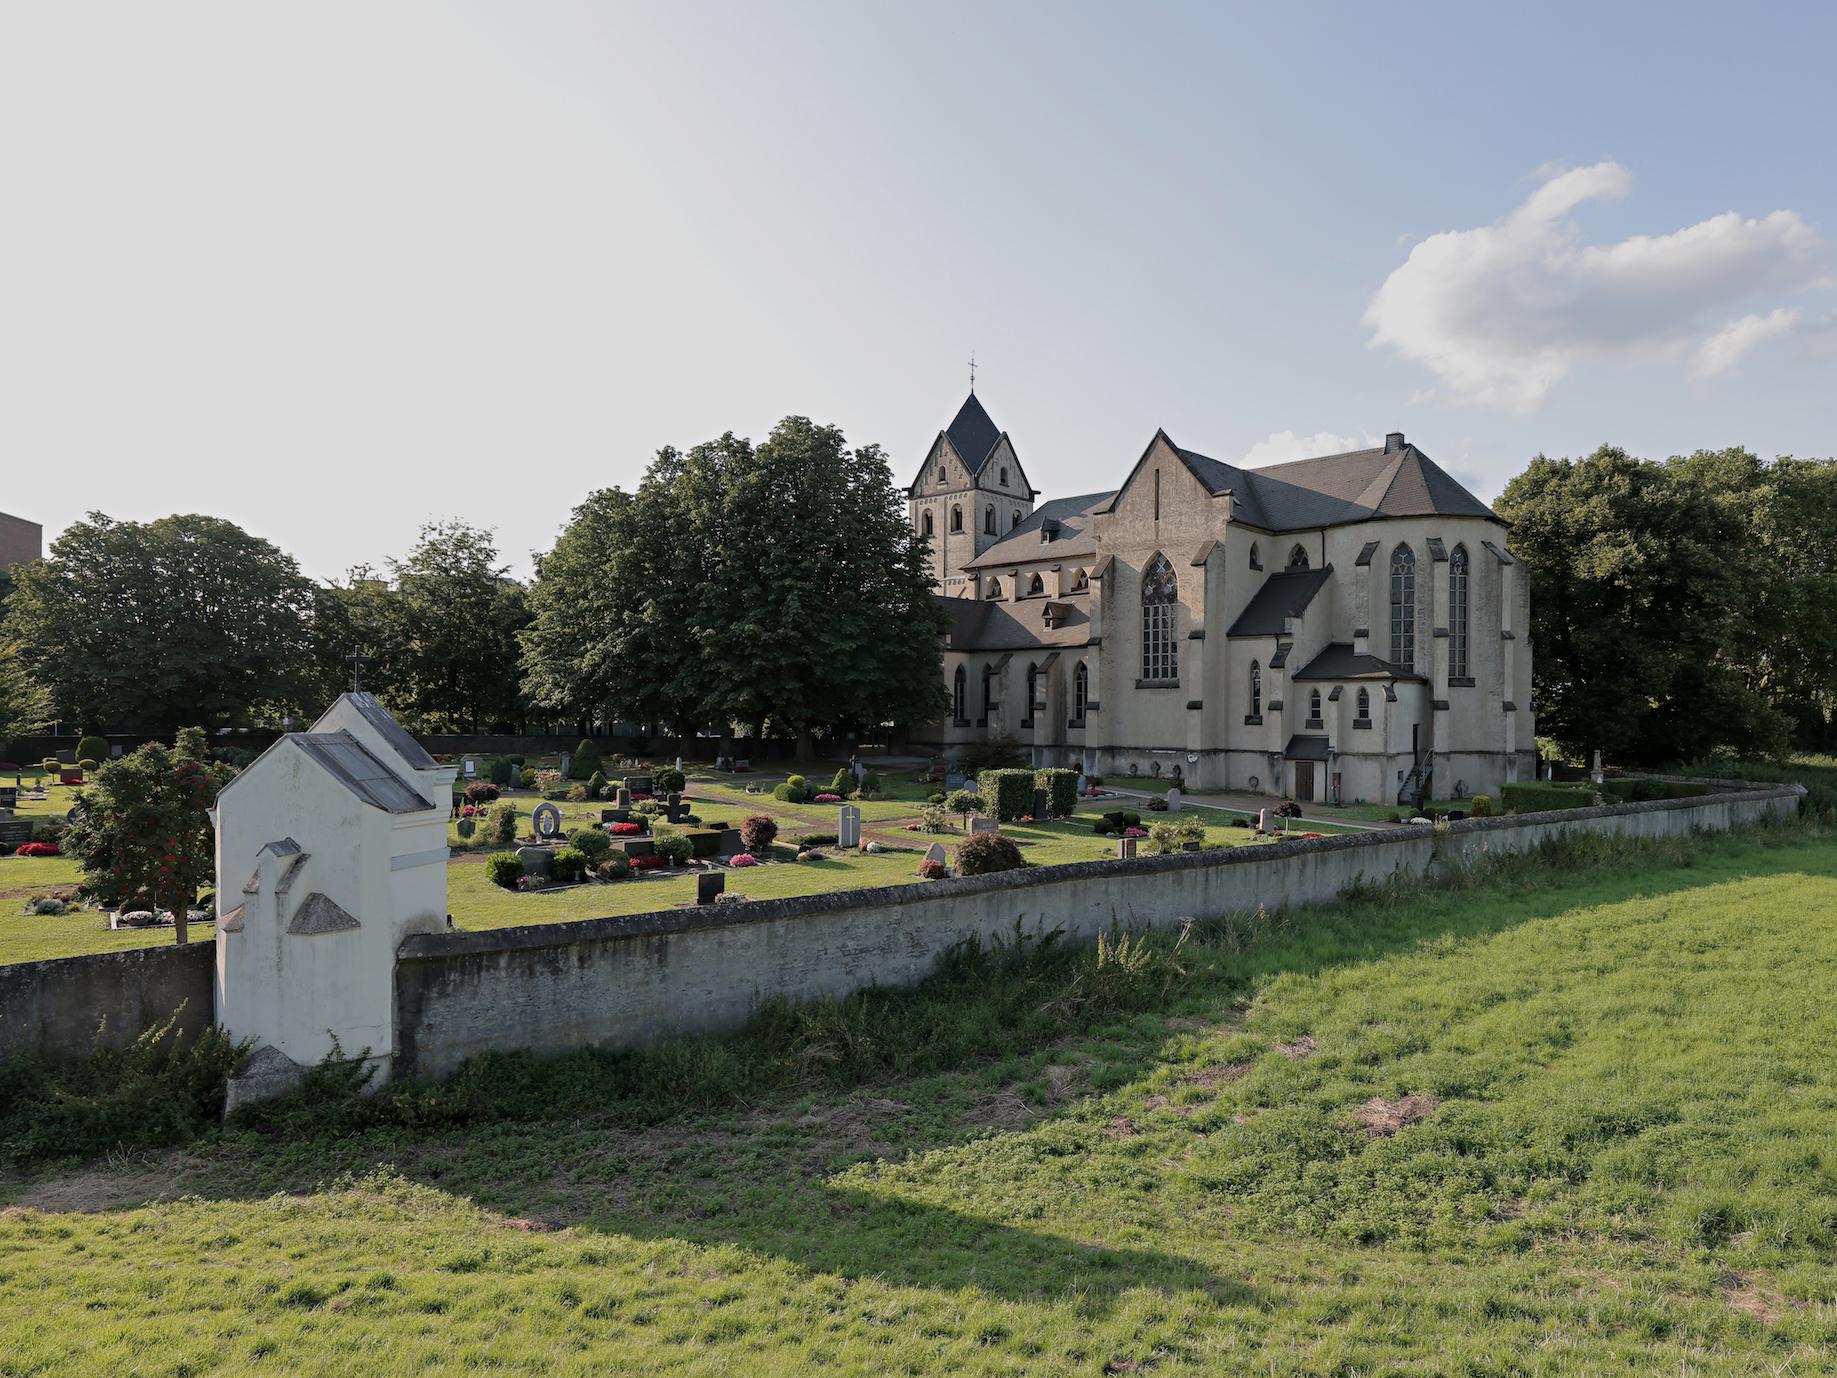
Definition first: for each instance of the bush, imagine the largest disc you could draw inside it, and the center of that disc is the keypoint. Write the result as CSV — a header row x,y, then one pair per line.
x,y
586,761
827,799
87,765
1641,790
996,753
742,859
933,820
1061,788
1541,796
673,847
758,832
527,778
844,782
92,748
501,827
1482,806
39,849
1157,806
870,782
501,772
788,793
964,802
647,862
804,841
590,843
935,800
51,765
616,866
932,870
570,864
1007,793
669,780
515,758
503,868
1103,827
645,810
481,792
1170,835
985,853
596,785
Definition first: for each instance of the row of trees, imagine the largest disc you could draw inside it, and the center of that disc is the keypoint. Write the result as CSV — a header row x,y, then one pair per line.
x,y
1680,607
775,583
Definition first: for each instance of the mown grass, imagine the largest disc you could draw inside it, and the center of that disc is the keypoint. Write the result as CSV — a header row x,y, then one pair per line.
x,y
1032,1166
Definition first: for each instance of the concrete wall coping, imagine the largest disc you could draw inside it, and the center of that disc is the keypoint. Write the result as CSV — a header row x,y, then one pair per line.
x,y
692,919
127,956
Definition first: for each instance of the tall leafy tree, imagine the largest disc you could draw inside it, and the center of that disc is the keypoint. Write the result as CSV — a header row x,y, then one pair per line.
x,y
150,624
359,615
1639,588
459,615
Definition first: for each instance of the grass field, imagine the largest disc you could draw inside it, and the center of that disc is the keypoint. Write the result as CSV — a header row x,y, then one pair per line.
x,y
1624,1162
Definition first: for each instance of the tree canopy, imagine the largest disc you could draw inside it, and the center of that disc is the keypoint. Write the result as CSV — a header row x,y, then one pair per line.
x,y
148,624
741,583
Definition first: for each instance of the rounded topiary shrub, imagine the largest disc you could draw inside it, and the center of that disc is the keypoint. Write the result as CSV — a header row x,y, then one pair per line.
x,y
92,748
986,853
590,842
668,780
503,868
87,765
570,865
586,761
788,793
501,772
673,848
50,765
758,832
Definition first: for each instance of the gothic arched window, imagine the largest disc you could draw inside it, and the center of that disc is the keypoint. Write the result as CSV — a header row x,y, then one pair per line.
x,y
1033,687
1036,585
1365,704
1160,652
956,694
1297,558
1457,613
956,517
1403,607
1081,690
1256,690
1080,580
988,689
994,589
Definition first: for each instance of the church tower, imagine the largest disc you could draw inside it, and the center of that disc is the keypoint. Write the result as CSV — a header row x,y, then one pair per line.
x,y
970,493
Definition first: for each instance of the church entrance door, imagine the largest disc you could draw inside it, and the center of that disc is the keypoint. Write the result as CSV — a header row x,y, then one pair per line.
x,y
1304,782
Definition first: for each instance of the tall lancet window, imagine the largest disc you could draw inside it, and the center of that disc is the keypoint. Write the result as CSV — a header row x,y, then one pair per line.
x,y
1457,613
1160,594
1403,607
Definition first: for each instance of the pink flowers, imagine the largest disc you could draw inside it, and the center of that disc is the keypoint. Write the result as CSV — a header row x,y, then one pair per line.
x,y
742,859
829,799
912,827
466,810
1135,832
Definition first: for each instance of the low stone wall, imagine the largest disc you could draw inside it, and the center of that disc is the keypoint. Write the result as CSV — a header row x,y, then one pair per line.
x,y
56,1007
627,982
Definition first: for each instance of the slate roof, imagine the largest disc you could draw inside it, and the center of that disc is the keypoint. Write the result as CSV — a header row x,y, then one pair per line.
x,y
1305,748
990,625
1337,660
392,731
351,764
1023,545
1332,490
1286,593
973,434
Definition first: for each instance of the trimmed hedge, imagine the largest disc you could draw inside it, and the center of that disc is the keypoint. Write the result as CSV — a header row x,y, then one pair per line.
x,y
1541,796
1061,788
570,865
1007,793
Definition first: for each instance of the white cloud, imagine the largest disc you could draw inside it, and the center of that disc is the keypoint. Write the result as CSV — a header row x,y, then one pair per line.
x,y
1503,312
1286,445
1721,351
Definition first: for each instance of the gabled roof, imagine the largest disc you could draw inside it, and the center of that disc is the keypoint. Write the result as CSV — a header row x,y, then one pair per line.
x,y
1284,594
320,913
983,624
1023,545
973,434
392,732
349,762
1337,660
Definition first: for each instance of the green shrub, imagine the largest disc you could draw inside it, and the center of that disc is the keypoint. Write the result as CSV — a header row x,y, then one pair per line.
x,y
1008,793
1170,834
501,824
503,868
1541,796
844,783
87,765
788,793
1061,788
515,758
92,748
1640,790
527,779
964,802
570,864
799,783
671,845
616,866
1820,801
577,794
805,841
870,782
51,765
586,761
985,853
1482,806
596,785
1103,827
669,780
501,771
935,800
590,843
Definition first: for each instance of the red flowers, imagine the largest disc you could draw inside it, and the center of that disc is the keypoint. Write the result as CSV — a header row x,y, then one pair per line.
x,y
646,863
625,829
40,849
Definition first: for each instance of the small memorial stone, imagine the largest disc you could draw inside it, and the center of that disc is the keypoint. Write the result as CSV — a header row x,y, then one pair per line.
x,y
1262,820
622,798
537,861
1125,847
935,852
1173,800
848,826
708,885
984,825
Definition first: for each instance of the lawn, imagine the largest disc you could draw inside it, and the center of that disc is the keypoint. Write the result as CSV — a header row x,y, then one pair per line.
x,y
1623,1163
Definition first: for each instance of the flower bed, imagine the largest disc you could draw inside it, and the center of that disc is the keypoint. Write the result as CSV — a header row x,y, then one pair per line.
x,y
625,829
742,859
39,849
647,861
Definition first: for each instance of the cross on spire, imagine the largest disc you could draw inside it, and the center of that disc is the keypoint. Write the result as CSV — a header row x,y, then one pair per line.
x,y
357,670
972,370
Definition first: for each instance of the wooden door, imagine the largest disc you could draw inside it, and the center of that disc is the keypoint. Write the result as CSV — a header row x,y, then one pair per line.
x,y
1304,782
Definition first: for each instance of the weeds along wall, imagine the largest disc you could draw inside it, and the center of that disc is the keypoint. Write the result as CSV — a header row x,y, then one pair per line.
x,y
629,982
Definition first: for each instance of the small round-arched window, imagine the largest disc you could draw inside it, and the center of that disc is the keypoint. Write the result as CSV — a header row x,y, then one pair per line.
x,y
925,525
956,517
1314,705
988,520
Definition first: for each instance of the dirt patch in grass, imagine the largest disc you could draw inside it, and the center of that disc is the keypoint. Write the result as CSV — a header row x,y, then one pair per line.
x,y
1218,1074
106,1186
1754,1294
1381,1118
1122,1127
1299,1048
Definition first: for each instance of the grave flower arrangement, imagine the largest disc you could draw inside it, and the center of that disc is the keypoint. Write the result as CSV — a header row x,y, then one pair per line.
x,y
625,829
39,849
1135,832
742,859
646,863
829,798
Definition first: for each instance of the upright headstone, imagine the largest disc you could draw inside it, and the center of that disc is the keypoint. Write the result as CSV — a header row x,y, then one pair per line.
x,y
471,766
983,825
567,763
1042,805
1082,787
638,784
1595,775
546,819
673,808
1262,820
935,852
623,798
537,861
848,826
1173,800
679,765
1125,847
709,884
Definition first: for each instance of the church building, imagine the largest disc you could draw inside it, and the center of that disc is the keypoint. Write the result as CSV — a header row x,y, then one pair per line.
x,y
1352,627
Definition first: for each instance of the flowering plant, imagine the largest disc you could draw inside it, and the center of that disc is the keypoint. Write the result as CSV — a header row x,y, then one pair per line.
x,y
467,810
932,870
742,859
912,827
40,849
649,862
1135,832
530,882
828,799
625,829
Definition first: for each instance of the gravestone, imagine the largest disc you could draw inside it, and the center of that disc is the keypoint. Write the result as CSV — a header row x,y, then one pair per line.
x,y
1173,800
673,808
1042,805
848,826
622,798
709,884
1262,820
471,766
730,843
954,781
567,763
1189,846
679,765
984,825
15,832
537,861
1125,847
935,852
9,797
1082,786
639,784
611,815
546,819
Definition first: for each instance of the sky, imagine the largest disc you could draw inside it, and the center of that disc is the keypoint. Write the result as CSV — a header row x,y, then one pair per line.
x,y
335,270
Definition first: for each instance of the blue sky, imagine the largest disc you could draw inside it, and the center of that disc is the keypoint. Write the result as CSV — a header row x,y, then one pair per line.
x,y
336,270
